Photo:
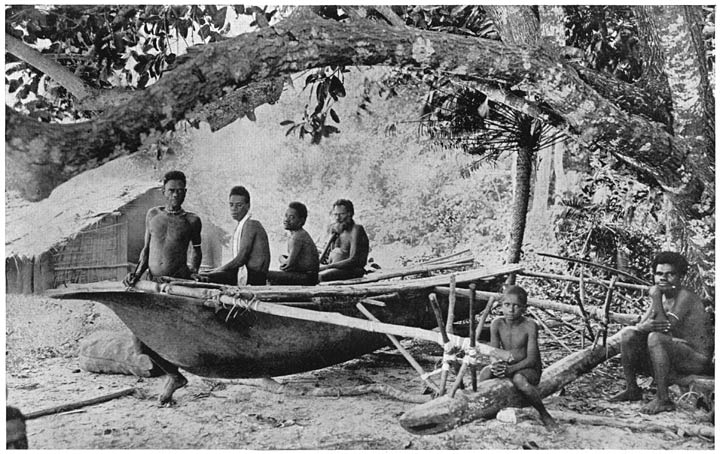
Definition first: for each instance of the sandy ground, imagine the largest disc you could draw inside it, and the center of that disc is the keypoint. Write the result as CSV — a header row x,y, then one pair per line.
x,y
42,371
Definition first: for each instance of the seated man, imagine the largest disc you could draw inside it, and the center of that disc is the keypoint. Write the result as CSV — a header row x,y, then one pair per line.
x,y
519,335
348,247
673,338
250,247
300,266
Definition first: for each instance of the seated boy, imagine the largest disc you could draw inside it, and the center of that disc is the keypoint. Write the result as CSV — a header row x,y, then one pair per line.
x,y
519,335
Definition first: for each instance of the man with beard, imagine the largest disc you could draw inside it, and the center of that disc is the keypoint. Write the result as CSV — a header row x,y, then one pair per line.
x,y
348,246
300,266
672,339
169,230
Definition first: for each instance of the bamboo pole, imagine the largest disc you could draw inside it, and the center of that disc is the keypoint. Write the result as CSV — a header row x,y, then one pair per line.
x,y
381,276
595,313
576,279
80,404
597,265
402,350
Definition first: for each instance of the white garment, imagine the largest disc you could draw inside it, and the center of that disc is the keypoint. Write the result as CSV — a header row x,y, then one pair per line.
x,y
237,235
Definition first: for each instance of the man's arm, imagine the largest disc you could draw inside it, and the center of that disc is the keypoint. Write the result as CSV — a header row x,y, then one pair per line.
x,y
647,323
532,356
294,253
195,240
134,276
246,243
359,248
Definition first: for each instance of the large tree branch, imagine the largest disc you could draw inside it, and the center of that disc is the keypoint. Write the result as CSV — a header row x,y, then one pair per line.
x,y
204,75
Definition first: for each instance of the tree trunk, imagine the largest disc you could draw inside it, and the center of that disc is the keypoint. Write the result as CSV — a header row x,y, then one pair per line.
x,y
445,413
521,200
44,155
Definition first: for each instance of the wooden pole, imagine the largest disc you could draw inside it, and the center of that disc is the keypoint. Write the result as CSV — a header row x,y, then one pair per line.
x,y
473,372
402,350
381,276
560,277
446,257
80,404
595,313
451,306
446,342
597,265
606,309
549,331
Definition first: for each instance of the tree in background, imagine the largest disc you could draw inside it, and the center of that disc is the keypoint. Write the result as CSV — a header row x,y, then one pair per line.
x,y
672,149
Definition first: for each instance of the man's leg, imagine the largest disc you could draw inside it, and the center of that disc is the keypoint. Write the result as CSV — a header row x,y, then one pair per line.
x,y
175,380
524,381
670,356
335,274
633,353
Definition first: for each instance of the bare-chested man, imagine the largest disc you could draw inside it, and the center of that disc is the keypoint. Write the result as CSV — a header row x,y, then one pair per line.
x,y
300,266
519,335
349,246
169,230
250,247
672,339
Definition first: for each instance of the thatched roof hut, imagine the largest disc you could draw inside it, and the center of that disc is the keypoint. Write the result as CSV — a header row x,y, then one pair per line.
x,y
89,229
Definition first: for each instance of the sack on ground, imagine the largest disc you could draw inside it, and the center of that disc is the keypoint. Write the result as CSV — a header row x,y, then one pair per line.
x,y
115,353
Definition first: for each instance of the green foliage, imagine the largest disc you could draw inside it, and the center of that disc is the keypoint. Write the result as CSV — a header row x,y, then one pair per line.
x,y
127,46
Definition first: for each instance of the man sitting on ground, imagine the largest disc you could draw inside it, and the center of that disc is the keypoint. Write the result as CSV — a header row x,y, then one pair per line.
x,y
348,247
672,339
300,266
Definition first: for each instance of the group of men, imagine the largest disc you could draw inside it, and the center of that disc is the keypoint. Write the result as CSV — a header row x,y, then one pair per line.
x,y
671,339
170,230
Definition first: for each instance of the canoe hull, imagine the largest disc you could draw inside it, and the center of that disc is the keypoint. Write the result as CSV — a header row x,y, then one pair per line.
x,y
252,344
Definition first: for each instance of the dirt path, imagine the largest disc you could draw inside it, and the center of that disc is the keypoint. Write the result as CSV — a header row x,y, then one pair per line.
x,y
42,371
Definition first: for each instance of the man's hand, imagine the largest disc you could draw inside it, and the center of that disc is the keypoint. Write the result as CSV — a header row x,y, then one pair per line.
x,y
131,279
499,369
200,277
654,291
650,326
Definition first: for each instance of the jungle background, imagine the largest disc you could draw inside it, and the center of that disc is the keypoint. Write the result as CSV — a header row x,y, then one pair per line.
x,y
403,144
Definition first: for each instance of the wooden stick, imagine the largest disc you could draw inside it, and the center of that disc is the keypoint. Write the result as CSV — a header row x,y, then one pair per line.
x,y
80,404
595,313
444,258
402,350
575,265
373,302
441,325
606,309
473,372
557,339
641,426
597,265
381,276
585,316
451,306
587,281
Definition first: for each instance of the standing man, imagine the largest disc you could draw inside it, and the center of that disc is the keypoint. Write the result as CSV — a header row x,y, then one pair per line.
x,y
348,246
672,339
250,247
300,266
169,230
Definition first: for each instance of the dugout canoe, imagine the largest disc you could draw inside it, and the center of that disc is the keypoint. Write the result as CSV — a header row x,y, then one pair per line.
x,y
187,324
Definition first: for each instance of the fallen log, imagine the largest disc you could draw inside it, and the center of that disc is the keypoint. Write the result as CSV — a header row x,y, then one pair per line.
x,y
593,312
445,413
